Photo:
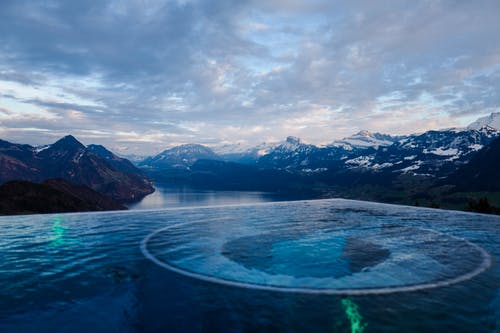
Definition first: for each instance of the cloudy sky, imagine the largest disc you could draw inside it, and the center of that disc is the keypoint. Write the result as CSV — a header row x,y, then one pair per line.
x,y
141,75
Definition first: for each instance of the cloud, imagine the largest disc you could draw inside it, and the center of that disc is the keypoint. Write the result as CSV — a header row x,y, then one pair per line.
x,y
170,72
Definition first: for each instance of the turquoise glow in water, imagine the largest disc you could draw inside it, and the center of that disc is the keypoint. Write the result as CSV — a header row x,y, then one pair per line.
x,y
354,316
57,231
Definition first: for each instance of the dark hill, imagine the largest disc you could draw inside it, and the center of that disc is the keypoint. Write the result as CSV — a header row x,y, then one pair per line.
x,y
234,176
482,173
51,196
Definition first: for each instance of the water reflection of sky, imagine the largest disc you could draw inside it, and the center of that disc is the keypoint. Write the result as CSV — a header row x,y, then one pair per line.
x,y
168,197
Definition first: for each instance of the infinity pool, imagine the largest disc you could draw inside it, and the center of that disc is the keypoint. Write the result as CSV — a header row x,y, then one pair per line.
x,y
302,266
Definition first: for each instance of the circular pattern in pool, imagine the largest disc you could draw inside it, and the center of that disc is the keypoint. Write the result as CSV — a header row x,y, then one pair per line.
x,y
324,257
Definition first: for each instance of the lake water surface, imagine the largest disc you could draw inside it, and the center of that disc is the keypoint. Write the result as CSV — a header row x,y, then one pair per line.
x,y
177,196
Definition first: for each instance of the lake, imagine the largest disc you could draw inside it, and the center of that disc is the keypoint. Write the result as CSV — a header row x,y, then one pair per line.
x,y
302,266
181,196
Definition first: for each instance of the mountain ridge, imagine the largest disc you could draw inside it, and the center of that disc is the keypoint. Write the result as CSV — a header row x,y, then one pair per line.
x,y
183,156
408,169
69,159
492,121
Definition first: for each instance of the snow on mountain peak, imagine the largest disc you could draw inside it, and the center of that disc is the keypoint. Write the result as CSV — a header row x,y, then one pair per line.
x,y
240,148
182,156
291,143
365,139
189,152
493,121
364,133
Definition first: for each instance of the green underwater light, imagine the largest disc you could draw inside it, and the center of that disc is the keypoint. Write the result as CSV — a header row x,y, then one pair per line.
x,y
352,311
57,231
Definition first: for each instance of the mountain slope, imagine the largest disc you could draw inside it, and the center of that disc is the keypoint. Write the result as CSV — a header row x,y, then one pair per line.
x,y
482,173
366,139
293,154
180,157
245,155
69,159
433,154
492,121
235,176
119,163
51,196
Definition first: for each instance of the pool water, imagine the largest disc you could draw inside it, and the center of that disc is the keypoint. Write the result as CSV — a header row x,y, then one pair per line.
x,y
303,266
303,257
306,257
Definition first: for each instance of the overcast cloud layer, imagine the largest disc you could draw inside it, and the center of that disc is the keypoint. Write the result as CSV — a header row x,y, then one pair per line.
x,y
141,75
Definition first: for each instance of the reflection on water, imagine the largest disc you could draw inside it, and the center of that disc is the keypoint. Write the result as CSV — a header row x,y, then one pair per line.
x,y
168,197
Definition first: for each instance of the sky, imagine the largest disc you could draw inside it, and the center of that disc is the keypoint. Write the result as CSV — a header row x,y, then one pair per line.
x,y
139,76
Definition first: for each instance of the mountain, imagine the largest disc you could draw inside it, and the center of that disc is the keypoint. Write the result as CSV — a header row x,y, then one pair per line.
x,y
482,173
51,196
433,153
427,169
363,157
119,163
17,161
492,121
69,159
242,154
366,139
295,156
418,169
179,157
292,154
230,148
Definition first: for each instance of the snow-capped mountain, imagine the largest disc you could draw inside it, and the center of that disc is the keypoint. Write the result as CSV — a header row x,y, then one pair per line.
x,y
296,156
366,139
433,153
181,157
292,144
243,153
291,154
230,148
265,148
493,121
